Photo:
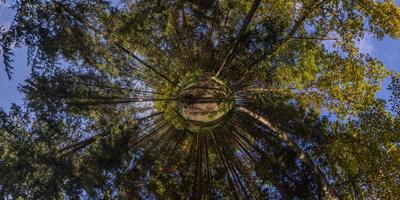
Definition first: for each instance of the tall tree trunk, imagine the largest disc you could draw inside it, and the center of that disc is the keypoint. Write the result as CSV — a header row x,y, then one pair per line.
x,y
284,136
232,51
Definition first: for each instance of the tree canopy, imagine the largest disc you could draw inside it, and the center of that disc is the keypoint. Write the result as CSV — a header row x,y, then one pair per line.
x,y
190,99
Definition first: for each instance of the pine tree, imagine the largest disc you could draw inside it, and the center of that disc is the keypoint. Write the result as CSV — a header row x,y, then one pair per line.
x,y
200,100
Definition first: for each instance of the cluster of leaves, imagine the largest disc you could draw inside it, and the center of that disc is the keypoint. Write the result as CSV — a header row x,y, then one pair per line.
x,y
363,155
35,162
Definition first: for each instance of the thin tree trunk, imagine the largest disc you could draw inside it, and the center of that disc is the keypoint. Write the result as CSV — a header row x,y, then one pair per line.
x,y
152,68
79,145
232,52
329,192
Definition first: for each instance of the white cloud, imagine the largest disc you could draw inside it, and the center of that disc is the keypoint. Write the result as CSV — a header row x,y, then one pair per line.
x,y
365,45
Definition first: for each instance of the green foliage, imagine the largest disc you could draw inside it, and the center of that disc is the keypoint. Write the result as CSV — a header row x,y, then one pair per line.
x,y
395,98
100,120
364,155
320,79
35,164
6,51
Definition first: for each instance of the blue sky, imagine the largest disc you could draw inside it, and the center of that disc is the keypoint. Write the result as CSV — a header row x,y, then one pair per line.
x,y
8,89
387,50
